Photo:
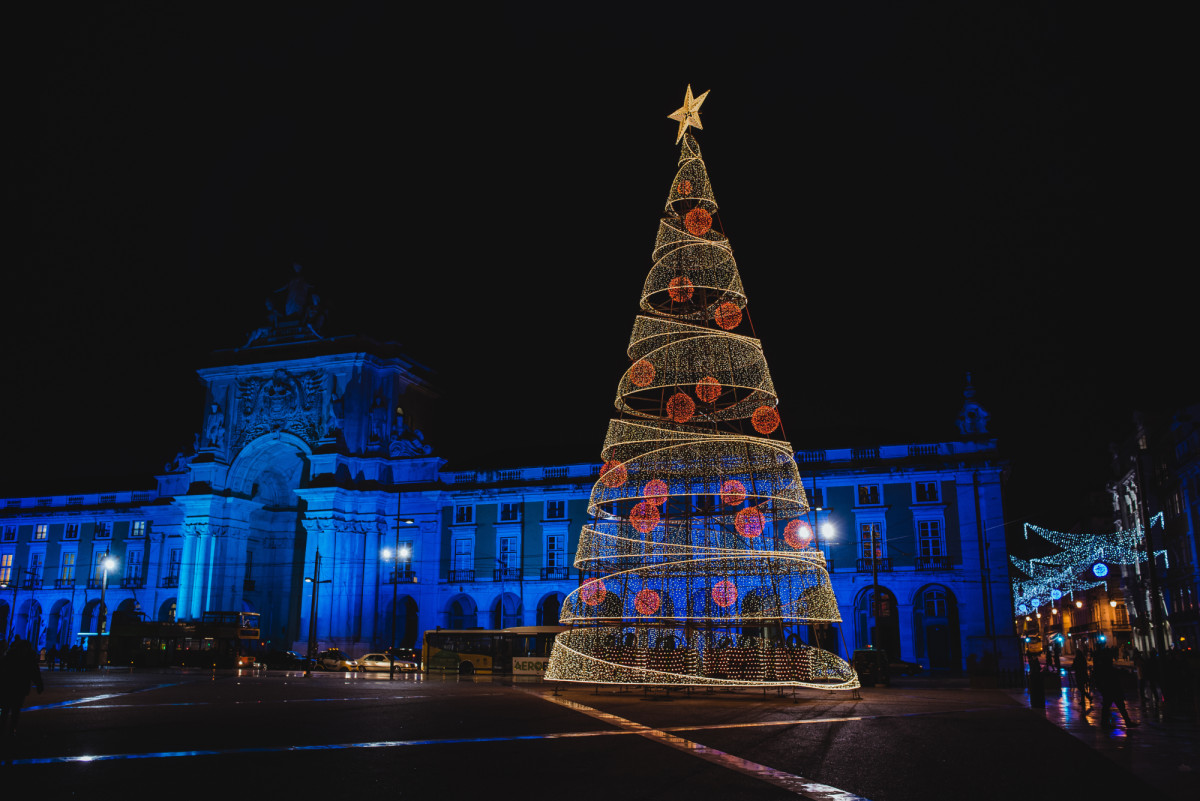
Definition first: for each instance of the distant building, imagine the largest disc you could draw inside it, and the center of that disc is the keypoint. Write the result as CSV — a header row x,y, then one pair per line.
x,y
311,445
1156,486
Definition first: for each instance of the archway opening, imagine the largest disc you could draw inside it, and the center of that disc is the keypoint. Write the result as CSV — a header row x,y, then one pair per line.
x,y
935,628
507,611
878,624
462,613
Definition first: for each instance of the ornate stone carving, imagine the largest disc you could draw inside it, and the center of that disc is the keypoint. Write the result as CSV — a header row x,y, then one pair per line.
x,y
973,419
214,427
283,402
409,443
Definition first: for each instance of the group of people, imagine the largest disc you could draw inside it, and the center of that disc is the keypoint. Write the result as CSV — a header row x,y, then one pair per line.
x,y
1103,679
1099,685
64,658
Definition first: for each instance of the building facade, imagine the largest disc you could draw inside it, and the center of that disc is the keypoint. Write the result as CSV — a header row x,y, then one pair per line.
x,y
1156,487
310,464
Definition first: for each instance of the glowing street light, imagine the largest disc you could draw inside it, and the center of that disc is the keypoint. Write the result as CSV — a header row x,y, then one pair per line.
x,y
397,555
108,563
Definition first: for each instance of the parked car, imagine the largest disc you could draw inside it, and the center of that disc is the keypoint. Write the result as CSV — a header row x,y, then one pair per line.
x,y
286,660
898,667
335,659
406,655
380,662
872,667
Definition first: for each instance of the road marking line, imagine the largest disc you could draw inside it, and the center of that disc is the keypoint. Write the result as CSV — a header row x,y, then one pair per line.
x,y
815,791
299,748
92,698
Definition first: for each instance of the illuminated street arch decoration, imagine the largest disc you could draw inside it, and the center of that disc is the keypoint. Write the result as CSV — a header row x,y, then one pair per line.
x,y
1083,562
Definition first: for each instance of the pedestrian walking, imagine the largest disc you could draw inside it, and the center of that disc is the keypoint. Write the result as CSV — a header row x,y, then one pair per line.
x,y
1037,687
1107,681
18,671
1079,669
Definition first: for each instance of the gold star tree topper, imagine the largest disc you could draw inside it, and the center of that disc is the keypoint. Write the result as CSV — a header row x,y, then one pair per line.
x,y
689,112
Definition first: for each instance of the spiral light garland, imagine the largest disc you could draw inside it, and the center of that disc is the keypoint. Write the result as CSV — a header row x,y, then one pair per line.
x,y
697,567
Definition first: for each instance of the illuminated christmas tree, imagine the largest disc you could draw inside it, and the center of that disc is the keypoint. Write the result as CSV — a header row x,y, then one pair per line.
x,y
698,566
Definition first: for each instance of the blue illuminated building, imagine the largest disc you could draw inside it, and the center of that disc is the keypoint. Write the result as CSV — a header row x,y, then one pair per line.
x,y
312,444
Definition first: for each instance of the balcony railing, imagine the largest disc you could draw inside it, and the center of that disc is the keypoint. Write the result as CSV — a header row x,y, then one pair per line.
x,y
64,583
405,575
133,582
506,574
882,565
31,583
462,575
95,583
559,572
933,563
169,581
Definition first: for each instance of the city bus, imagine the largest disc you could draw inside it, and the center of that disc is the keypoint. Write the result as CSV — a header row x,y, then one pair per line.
x,y
218,639
520,650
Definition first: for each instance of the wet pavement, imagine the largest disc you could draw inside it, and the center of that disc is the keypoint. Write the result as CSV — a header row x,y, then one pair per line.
x,y
198,732
1157,743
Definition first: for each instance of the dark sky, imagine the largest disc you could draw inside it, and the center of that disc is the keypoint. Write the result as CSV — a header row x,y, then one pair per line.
x,y
911,192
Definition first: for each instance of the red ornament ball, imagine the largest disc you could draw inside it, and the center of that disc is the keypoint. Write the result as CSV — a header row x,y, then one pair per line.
x,y
698,222
724,594
797,533
644,517
642,373
647,602
708,389
592,592
733,492
680,407
680,289
728,316
685,187
765,419
749,522
613,474
656,491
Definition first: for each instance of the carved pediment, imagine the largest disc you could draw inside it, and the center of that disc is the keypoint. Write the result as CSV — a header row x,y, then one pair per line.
x,y
281,402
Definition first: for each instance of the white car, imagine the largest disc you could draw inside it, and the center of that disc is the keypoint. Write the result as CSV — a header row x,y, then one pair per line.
x,y
333,659
380,662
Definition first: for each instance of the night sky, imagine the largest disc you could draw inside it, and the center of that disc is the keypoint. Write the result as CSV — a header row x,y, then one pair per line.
x,y
911,193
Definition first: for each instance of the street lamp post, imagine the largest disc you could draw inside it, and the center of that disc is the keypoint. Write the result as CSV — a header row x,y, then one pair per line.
x,y
312,614
395,554
108,563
